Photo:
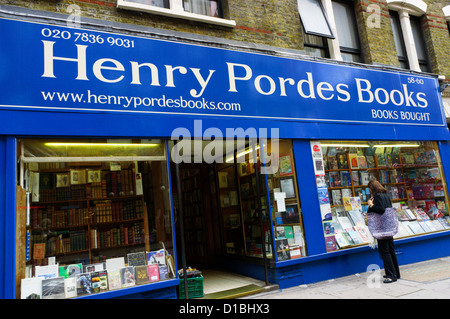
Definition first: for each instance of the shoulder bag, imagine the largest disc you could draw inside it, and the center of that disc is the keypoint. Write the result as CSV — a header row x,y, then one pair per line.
x,y
384,225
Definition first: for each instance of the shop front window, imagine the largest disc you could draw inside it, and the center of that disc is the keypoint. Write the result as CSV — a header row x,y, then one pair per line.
x,y
94,215
411,172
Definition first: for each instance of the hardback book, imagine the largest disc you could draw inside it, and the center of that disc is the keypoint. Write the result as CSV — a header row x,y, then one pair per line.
x,y
70,287
137,259
127,276
163,272
330,243
70,270
141,275
84,284
282,249
53,288
114,280
31,288
156,257
153,272
115,263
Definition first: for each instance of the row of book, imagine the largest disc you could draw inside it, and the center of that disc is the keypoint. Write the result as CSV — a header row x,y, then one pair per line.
x,y
349,229
63,242
63,186
289,242
60,242
102,212
355,158
117,236
58,282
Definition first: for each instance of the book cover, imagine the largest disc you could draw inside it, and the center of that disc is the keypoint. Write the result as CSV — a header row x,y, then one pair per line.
x,y
84,284
163,272
115,263
137,259
141,275
127,276
70,287
330,243
53,288
153,272
156,257
70,270
31,288
282,249
114,280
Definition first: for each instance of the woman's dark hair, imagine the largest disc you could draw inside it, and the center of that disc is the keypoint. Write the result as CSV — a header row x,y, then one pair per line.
x,y
375,187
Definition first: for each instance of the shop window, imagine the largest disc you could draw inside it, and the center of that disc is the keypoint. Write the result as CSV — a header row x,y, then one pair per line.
x,y
209,11
94,216
411,172
347,31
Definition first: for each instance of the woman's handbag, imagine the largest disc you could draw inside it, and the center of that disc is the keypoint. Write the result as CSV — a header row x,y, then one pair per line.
x,y
384,225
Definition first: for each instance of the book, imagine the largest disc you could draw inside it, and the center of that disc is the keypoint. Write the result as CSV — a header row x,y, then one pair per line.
x,y
163,272
153,272
330,243
282,249
53,288
141,275
127,276
137,259
84,284
114,280
156,257
70,270
31,288
70,287
115,263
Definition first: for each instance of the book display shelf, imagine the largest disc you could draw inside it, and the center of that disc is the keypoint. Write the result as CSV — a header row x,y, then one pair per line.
x,y
193,213
285,204
411,174
90,227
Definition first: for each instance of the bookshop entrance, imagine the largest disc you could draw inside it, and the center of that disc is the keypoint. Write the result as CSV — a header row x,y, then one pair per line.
x,y
222,220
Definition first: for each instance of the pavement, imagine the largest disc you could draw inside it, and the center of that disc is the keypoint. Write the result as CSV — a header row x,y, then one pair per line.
x,y
424,280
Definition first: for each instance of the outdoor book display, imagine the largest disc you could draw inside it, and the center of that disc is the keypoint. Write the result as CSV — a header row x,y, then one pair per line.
x,y
411,173
90,226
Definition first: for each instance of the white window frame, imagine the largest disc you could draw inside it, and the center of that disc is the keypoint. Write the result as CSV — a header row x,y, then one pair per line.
x,y
405,8
176,11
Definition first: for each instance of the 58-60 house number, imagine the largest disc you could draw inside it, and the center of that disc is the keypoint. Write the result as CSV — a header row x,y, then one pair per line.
x,y
86,37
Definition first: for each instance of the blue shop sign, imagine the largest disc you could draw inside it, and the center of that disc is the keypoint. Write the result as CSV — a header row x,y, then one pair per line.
x,y
56,68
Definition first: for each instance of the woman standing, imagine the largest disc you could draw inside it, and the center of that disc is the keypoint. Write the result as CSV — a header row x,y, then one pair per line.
x,y
377,204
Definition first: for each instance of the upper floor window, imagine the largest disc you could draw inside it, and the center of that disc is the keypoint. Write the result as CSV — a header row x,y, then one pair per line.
x,y
208,11
347,31
330,29
398,40
408,34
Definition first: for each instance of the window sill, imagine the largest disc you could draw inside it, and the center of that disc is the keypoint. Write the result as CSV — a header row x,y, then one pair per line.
x,y
121,4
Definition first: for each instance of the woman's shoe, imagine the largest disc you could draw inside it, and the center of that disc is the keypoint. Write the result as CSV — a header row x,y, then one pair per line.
x,y
389,280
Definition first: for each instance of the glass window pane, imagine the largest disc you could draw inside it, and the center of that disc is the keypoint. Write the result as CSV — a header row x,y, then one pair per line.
x,y
156,3
411,173
313,18
345,24
398,38
93,225
204,7
418,38
349,57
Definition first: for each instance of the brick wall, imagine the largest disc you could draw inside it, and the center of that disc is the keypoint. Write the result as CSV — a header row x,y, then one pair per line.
x,y
276,23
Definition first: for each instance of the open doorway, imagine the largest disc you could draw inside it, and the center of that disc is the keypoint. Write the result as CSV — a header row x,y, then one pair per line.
x,y
223,222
